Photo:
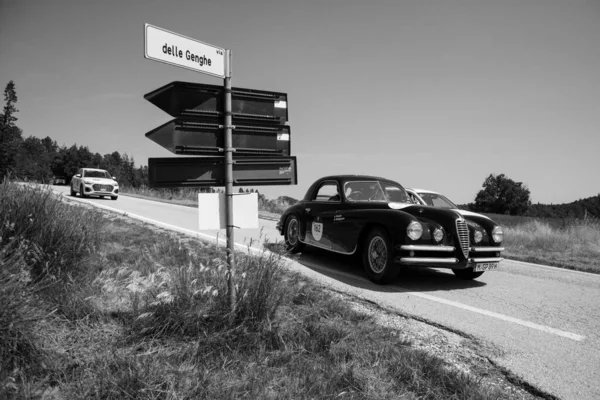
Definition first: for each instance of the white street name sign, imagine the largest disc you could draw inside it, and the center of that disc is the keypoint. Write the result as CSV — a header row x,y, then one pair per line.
x,y
182,51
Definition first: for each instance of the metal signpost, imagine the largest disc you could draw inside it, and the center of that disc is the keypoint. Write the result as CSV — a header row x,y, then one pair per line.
x,y
204,122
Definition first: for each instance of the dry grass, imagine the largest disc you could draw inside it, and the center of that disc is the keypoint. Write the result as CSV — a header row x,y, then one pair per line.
x,y
146,317
575,246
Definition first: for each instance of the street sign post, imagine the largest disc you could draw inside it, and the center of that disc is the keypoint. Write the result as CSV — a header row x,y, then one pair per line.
x,y
205,117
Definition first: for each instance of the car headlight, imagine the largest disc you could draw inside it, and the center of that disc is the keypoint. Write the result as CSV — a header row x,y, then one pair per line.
x,y
414,230
438,235
497,234
477,236
87,182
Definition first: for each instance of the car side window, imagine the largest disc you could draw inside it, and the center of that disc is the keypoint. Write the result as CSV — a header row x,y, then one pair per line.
x,y
328,191
413,199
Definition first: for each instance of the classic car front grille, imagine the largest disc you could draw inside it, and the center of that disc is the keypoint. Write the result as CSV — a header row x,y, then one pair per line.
x,y
102,188
462,231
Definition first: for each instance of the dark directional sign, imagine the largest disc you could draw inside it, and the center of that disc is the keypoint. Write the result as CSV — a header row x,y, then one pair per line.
x,y
196,100
210,171
206,137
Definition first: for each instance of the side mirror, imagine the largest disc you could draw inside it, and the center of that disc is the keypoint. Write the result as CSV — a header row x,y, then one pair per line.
x,y
115,178
78,176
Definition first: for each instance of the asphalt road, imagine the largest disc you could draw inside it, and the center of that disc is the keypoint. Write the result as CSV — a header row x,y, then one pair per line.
x,y
541,323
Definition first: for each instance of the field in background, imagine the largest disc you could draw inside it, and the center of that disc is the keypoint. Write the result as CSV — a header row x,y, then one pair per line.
x,y
566,243
96,306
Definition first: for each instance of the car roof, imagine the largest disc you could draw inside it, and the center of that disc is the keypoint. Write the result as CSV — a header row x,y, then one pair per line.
x,y
422,190
356,177
94,169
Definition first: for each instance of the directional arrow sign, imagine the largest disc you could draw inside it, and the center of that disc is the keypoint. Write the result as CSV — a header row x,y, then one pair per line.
x,y
209,171
195,100
206,138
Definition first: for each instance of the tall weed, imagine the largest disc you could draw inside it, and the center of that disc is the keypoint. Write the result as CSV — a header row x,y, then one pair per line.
x,y
19,313
62,233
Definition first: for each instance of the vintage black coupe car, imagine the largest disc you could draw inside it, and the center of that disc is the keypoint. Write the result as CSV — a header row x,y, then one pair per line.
x,y
375,217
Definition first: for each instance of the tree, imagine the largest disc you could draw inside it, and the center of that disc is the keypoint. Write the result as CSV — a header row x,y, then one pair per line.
x,y
10,98
34,161
10,134
502,195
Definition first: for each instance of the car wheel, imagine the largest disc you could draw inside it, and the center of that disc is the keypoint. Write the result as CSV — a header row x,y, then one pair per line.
x,y
467,273
114,197
378,257
73,193
292,235
81,192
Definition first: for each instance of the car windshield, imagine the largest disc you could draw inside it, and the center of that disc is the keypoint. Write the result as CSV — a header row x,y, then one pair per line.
x,y
374,191
437,200
96,174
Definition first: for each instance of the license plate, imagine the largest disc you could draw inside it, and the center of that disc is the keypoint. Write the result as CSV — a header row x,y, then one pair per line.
x,y
486,266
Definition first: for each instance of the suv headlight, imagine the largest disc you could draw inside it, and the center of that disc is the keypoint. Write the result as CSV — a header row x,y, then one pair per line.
x,y
497,234
414,230
87,182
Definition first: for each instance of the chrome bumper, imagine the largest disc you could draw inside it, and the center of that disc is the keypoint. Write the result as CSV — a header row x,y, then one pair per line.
x,y
423,260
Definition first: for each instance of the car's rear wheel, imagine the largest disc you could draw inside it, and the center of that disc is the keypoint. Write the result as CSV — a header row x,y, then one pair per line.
x,y
73,193
292,234
378,256
467,273
81,192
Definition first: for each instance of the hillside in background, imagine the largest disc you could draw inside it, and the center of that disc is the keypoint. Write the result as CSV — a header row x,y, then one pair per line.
x,y
583,208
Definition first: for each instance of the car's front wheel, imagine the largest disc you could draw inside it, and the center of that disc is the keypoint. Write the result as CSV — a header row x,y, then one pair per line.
x,y
73,193
113,197
378,256
467,273
292,234
81,192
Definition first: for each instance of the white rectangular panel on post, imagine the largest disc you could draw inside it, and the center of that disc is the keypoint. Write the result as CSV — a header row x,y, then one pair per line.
x,y
211,211
175,49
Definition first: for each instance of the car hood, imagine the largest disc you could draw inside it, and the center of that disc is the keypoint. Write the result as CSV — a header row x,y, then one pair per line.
x,y
465,213
443,216
101,181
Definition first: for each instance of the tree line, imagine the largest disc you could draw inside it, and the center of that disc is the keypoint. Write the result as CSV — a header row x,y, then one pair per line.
x,y
34,159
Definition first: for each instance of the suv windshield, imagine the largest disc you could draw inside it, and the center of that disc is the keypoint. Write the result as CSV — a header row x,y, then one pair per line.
x,y
96,174
374,191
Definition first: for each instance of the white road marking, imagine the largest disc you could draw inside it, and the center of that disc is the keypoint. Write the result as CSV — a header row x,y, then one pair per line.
x,y
533,325
543,328
556,269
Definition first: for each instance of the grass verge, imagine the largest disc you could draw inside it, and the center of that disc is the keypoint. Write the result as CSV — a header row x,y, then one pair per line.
x,y
142,313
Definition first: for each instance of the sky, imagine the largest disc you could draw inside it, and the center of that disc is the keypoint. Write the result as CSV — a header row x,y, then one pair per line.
x,y
433,94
